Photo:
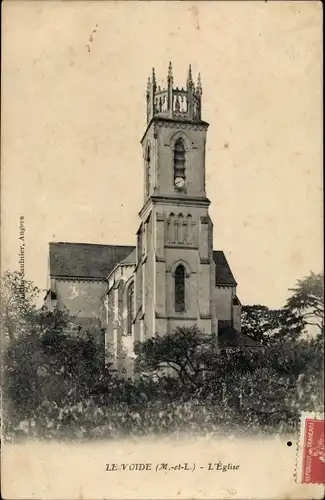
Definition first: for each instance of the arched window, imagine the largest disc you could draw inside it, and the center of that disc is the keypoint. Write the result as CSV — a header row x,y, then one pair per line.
x,y
180,288
130,308
189,229
171,228
180,235
179,159
148,170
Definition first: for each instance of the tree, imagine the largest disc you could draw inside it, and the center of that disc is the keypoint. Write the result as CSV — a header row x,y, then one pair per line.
x,y
307,302
187,353
47,355
195,358
305,307
48,363
294,359
18,304
267,326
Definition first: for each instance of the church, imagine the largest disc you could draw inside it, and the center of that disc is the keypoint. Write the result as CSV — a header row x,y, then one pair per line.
x,y
172,276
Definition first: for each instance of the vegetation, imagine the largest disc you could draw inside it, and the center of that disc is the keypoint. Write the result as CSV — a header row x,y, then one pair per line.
x,y
303,310
56,385
307,302
267,326
18,305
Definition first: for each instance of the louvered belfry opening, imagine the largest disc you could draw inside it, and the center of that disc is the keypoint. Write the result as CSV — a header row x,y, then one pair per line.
x,y
179,159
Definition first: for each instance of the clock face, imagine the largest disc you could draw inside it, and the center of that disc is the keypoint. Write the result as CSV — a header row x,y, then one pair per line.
x,y
179,182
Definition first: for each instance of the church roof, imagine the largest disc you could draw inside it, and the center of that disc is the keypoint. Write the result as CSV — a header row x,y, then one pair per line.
x,y
87,260
131,258
224,275
232,338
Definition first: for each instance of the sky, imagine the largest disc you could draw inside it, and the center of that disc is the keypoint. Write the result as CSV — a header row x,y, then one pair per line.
x,y
73,112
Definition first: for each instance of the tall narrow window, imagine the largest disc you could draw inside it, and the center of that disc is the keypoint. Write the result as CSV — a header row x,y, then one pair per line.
x,y
130,308
180,289
180,236
179,162
139,245
148,170
189,229
171,228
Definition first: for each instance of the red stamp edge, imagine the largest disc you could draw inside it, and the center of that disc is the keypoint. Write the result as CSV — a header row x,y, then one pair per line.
x,y
311,449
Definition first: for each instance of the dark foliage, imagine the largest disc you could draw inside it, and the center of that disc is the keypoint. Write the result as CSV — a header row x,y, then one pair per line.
x,y
306,302
267,326
56,384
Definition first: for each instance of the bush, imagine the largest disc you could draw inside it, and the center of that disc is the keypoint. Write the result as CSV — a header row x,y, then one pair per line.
x,y
54,366
55,384
56,387
147,408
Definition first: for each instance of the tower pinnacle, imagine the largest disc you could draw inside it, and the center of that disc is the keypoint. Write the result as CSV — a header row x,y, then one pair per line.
x,y
189,77
153,77
173,102
170,73
199,85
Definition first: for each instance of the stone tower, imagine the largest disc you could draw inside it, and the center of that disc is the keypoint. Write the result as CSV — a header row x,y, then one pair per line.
x,y
174,273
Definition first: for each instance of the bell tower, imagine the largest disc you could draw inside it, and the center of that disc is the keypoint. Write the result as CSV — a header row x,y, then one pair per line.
x,y
174,271
176,110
